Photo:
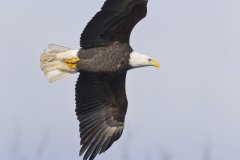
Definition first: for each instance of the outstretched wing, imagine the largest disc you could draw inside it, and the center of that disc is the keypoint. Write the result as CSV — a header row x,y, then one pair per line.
x,y
113,23
101,106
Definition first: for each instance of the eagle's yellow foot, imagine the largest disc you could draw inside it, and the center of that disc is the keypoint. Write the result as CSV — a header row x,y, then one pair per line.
x,y
72,63
72,66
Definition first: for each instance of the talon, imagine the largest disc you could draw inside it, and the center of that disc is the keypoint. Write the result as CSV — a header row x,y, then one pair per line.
x,y
72,61
72,66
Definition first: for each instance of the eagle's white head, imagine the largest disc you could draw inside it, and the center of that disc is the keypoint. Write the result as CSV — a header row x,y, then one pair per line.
x,y
139,60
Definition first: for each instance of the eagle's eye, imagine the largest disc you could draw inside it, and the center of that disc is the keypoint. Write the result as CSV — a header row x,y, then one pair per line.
x,y
149,59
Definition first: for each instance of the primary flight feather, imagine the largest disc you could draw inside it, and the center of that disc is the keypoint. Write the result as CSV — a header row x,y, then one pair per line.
x,y
103,61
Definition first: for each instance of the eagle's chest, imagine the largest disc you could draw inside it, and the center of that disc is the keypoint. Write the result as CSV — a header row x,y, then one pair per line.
x,y
113,61
105,59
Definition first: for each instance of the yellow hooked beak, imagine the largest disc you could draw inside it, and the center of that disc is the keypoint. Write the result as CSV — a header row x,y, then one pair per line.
x,y
155,63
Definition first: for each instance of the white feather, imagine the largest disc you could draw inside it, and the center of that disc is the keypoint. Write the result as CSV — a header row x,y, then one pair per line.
x,y
52,62
138,60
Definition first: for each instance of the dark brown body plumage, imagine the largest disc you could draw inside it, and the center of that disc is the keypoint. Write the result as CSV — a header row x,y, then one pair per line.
x,y
109,59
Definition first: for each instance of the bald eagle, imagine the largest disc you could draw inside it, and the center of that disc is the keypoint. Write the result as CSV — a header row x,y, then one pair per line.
x,y
103,61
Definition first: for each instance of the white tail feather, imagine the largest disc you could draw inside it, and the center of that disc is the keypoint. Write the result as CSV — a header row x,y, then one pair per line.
x,y
52,62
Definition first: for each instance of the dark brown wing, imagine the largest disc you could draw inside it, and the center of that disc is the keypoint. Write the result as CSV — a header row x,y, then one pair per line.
x,y
113,23
101,107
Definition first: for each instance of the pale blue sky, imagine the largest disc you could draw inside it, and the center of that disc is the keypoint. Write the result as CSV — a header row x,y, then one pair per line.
x,y
191,101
